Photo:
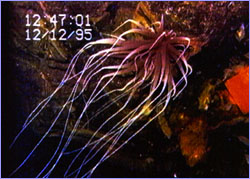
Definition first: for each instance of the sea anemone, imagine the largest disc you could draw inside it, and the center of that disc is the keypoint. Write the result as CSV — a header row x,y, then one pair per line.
x,y
155,59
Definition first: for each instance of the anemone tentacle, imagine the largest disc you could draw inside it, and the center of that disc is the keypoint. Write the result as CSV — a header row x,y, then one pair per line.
x,y
157,62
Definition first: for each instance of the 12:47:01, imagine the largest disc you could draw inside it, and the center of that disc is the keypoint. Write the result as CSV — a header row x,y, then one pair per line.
x,y
79,19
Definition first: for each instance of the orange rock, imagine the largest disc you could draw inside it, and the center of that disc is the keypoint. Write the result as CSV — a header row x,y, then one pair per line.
x,y
193,141
238,87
